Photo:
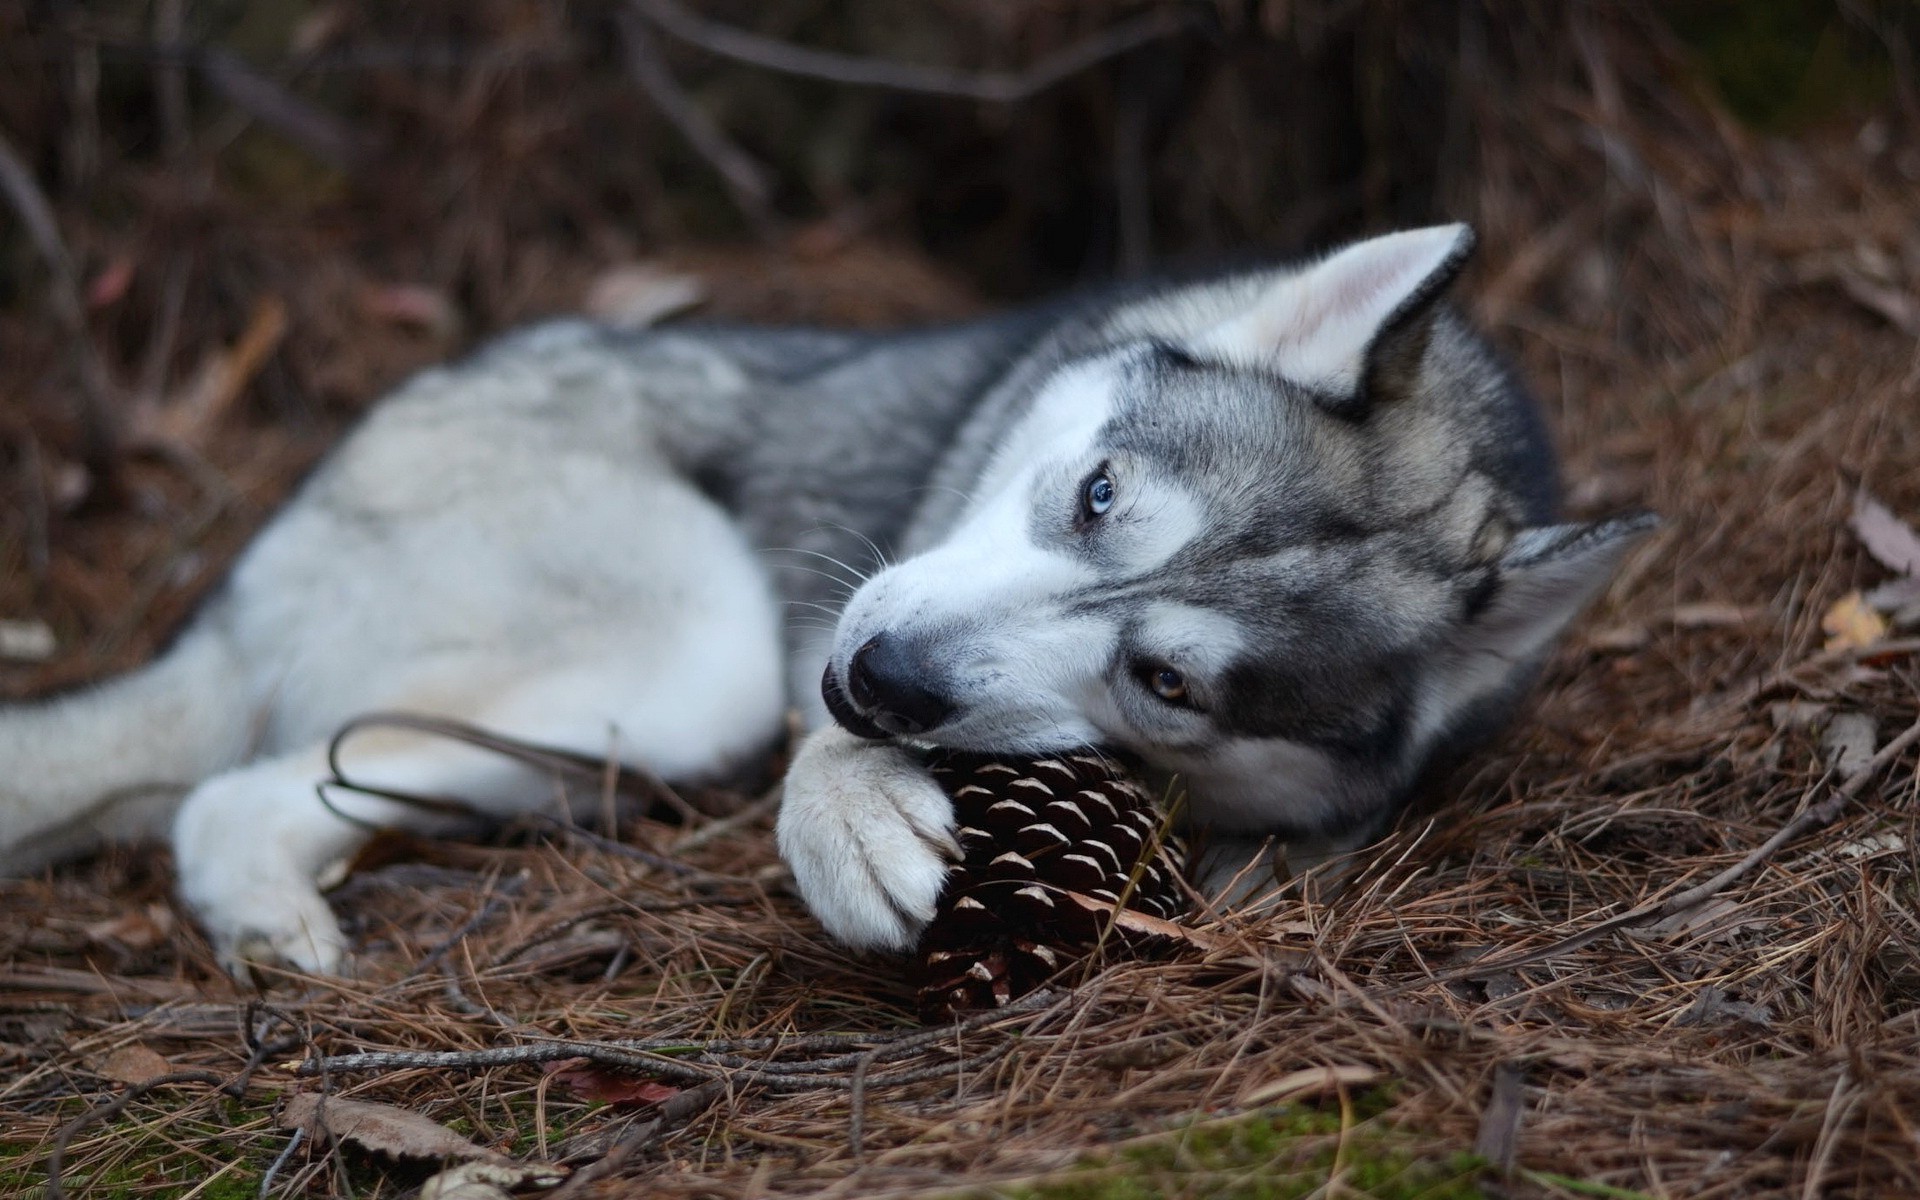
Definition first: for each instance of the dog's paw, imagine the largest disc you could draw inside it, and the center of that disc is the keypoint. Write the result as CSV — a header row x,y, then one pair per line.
x,y
274,930
259,916
241,866
869,836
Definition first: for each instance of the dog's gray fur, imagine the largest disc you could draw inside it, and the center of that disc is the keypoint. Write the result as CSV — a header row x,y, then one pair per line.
x,y
1329,539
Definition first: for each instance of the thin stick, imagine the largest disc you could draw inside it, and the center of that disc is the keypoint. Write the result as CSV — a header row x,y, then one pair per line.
x,y
306,125
723,826
293,1143
998,87
671,1111
705,1062
561,764
1811,817
857,1105
99,411
496,899
57,1157
745,178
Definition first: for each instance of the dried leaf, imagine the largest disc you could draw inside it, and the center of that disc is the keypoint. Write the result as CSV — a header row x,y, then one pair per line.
x,y
1894,596
1619,639
27,641
1852,624
590,1081
1716,614
429,310
1796,714
638,295
132,1064
1309,1081
381,1128
189,417
110,286
1849,742
1872,845
1717,920
489,1181
1138,925
1890,540
1900,309
1713,1007
138,929
1499,1134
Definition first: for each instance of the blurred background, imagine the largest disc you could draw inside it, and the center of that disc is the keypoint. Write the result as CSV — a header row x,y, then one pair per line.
x,y
230,224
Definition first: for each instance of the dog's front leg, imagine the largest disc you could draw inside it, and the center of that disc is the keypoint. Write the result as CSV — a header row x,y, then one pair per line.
x,y
869,835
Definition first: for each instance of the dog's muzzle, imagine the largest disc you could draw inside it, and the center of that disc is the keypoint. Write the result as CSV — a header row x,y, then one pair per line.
x,y
885,695
844,714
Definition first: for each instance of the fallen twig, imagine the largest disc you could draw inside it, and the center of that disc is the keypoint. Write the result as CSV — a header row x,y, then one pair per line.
x,y
1812,817
671,1111
308,126
999,87
99,412
700,1062
57,1156
561,764
497,898
745,179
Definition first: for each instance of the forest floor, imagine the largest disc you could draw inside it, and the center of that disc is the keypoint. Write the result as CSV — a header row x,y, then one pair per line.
x,y
1525,991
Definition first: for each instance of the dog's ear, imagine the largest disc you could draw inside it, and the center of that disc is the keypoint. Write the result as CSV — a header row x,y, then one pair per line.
x,y
1349,324
1545,577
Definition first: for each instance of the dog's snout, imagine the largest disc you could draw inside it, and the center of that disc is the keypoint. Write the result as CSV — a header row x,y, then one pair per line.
x,y
887,680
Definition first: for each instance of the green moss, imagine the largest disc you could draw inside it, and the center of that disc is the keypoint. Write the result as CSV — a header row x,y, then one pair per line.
x,y
1275,1154
167,1144
1582,1187
1783,64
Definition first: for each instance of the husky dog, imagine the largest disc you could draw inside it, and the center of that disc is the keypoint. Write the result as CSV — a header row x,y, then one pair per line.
x,y
1287,534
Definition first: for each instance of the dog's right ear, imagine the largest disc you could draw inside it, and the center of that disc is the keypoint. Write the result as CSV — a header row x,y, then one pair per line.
x,y
1545,577
1344,325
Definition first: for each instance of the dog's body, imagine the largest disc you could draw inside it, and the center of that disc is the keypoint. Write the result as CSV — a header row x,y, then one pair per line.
x,y
1285,534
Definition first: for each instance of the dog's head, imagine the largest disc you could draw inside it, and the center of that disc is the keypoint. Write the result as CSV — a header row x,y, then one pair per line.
x,y
1285,543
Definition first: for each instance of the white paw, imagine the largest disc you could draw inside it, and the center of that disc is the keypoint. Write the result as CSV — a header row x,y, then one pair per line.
x,y
278,927
869,835
243,847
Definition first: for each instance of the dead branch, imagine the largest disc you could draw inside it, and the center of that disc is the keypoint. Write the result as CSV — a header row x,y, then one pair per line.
x,y
56,1157
308,126
996,87
1812,817
671,1111
746,180
696,1061
99,410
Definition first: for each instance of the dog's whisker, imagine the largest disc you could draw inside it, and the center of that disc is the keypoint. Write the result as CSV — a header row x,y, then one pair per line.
x,y
858,575
873,548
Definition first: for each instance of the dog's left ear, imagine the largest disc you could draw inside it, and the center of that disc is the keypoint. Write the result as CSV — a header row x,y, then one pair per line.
x,y
1348,325
1546,576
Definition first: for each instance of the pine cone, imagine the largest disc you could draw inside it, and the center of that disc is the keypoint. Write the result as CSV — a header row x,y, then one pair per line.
x,y
1033,831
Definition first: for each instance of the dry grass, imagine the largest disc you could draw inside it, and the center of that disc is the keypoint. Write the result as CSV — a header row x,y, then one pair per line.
x,y
1696,305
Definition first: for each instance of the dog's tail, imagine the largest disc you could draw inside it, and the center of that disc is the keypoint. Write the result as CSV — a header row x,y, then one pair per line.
x,y
114,760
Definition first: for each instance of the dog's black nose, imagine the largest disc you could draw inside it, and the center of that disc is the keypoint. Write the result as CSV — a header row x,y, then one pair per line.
x,y
885,680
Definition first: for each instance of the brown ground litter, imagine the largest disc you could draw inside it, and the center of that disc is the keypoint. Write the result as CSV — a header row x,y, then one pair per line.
x,y
1722,326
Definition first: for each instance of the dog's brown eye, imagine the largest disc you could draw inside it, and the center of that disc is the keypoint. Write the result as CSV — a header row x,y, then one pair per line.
x,y
1168,684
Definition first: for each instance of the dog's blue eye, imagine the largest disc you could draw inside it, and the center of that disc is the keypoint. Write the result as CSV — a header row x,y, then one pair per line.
x,y
1099,496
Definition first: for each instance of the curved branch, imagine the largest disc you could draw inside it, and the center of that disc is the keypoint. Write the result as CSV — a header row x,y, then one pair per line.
x,y
997,87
